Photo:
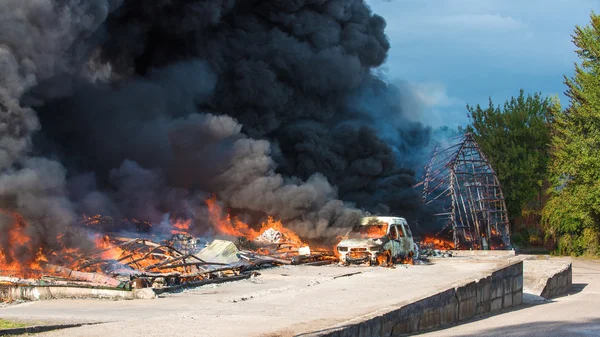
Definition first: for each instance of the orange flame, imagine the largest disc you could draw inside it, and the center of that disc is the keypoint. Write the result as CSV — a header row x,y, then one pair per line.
x,y
225,224
108,251
91,220
181,226
437,242
19,245
373,231
16,246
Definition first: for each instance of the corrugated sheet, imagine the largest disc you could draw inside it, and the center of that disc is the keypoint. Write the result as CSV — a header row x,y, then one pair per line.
x,y
220,251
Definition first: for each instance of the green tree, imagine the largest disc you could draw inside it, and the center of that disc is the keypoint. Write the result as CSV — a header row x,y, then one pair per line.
x,y
572,214
516,138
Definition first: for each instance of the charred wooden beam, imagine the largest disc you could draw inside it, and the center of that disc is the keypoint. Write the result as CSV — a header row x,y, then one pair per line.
x,y
205,282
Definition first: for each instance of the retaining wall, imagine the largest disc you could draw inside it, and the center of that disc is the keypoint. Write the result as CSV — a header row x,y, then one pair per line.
x,y
32,293
559,283
502,289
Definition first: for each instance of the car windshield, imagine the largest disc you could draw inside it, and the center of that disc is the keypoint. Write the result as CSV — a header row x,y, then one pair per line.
x,y
371,231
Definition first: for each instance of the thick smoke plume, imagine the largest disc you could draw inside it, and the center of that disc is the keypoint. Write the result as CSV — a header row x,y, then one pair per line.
x,y
38,40
139,109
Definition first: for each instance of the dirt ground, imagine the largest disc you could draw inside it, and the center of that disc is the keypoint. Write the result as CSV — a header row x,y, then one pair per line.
x,y
282,301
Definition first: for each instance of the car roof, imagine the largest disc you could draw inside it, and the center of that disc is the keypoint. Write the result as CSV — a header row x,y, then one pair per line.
x,y
366,221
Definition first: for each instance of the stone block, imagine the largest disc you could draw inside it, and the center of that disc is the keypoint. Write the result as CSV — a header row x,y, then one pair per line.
x,y
400,329
517,283
410,324
517,298
507,301
484,289
518,269
387,324
449,313
429,320
553,282
500,274
562,281
496,304
508,284
413,323
466,291
365,330
467,308
354,331
497,288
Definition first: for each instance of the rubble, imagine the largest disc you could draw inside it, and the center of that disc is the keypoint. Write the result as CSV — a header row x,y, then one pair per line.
x,y
427,252
183,260
139,263
270,235
220,251
434,249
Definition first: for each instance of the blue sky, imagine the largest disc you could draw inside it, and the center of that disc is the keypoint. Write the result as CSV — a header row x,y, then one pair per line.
x,y
452,52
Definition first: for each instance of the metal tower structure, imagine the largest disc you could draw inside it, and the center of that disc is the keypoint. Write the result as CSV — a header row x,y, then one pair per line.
x,y
460,183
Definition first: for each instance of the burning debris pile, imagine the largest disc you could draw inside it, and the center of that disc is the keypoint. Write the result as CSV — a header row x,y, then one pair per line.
x,y
133,263
435,246
127,263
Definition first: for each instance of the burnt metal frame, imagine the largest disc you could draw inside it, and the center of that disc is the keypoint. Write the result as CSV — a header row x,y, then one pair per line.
x,y
461,178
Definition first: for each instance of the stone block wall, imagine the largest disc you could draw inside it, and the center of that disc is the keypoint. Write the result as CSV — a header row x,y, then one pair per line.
x,y
559,283
502,289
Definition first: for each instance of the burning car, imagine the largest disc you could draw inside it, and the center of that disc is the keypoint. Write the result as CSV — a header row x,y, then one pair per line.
x,y
379,240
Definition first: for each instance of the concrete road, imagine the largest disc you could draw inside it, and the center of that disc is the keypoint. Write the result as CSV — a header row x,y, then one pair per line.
x,y
283,301
577,314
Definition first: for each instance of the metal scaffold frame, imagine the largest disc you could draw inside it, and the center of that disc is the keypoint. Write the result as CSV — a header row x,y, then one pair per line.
x,y
461,184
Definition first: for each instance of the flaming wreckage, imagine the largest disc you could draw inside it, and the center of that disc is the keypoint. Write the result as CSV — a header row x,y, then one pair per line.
x,y
183,260
380,241
459,180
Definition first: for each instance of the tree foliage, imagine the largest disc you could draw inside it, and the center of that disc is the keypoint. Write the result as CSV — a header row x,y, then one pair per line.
x,y
572,214
515,138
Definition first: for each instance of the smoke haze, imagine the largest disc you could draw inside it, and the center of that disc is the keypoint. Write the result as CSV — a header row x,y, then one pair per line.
x,y
139,109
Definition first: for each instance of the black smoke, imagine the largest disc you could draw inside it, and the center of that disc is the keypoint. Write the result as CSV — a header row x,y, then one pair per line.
x,y
147,108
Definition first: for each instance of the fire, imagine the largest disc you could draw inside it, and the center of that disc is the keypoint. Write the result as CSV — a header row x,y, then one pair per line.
x,y
373,231
18,247
22,256
289,235
181,226
225,224
91,220
437,242
107,249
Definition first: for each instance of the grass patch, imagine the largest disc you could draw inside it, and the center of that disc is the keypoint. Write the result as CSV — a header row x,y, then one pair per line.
x,y
4,324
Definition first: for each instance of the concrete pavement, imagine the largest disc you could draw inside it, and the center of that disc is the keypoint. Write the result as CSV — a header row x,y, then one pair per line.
x,y
283,301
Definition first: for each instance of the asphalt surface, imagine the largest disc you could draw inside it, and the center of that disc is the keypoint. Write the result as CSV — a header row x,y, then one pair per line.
x,y
576,314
